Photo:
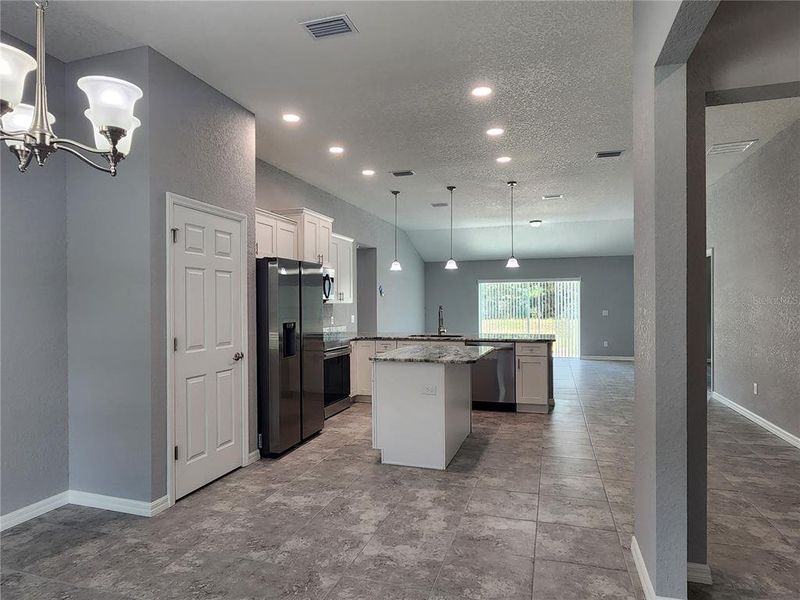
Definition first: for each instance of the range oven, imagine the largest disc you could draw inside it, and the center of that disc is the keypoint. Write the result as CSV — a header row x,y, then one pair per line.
x,y
337,379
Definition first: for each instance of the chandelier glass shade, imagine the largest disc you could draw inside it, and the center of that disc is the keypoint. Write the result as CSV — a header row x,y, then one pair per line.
x,y
27,130
14,68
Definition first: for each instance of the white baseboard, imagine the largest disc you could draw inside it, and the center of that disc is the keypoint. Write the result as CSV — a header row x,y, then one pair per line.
x,y
622,358
123,505
31,511
771,427
644,577
699,573
254,456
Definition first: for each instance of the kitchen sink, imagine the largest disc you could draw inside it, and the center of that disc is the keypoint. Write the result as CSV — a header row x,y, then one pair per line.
x,y
444,336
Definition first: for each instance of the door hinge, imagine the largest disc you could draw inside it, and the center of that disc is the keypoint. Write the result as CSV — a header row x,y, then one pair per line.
x,y
175,231
176,453
174,344
259,442
256,248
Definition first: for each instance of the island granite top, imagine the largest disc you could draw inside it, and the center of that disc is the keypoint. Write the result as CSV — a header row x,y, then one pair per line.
x,y
447,355
483,337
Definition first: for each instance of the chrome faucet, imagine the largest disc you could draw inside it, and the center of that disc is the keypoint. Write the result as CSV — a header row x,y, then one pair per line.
x,y
442,330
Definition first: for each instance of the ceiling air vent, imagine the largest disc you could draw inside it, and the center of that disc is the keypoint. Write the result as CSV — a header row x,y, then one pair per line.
x,y
608,154
729,147
329,26
402,173
439,204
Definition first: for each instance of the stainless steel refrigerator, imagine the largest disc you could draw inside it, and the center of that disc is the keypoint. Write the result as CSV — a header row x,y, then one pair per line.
x,y
290,353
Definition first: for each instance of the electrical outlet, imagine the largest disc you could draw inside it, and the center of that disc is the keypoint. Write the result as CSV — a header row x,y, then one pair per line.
x,y
429,390
605,312
605,343
755,389
352,318
332,323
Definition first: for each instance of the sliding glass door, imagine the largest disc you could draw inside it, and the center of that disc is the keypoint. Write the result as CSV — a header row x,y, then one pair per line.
x,y
533,306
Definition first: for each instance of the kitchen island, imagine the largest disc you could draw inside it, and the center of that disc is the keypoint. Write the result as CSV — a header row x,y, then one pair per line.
x,y
422,403
518,376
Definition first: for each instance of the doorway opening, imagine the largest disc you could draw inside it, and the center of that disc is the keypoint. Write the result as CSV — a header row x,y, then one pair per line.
x,y
533,306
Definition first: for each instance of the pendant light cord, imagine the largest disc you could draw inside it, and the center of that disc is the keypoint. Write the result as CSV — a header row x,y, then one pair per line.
x,y
451,220
395,224
511,184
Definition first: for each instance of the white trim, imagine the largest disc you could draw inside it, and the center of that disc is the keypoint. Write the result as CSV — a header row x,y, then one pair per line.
x,y
710,254
771,427
641,569
254,456
623,358
699,573
15,517
172,201
123,505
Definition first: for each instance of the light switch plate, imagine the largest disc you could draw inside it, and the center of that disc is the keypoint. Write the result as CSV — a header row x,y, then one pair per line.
x,y
605,343
605,312
352,318
755,388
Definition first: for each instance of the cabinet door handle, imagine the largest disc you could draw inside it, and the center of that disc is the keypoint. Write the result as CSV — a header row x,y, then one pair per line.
x,y
518,364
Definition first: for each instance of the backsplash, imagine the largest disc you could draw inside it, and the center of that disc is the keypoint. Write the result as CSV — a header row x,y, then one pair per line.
x,y
342,315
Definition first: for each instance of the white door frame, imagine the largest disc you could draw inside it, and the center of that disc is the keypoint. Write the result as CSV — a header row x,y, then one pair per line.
x,y
172,201
710,254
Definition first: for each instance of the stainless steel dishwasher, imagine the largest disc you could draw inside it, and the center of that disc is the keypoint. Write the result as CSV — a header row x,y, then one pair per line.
x,y
493,383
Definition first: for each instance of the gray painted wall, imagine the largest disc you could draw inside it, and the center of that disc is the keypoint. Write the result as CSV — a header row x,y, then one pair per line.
x,y
753,224
606,283
401,307
33,317
109,315
202,145
117,296
367,283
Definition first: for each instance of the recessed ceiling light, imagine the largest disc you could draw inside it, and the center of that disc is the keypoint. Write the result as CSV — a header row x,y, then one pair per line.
x,y
291,118
335,149
494,131
504,159
368,172
553,197
535,223
481,91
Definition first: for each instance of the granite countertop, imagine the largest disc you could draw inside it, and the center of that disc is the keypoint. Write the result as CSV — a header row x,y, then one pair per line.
x,y
485,337
447,355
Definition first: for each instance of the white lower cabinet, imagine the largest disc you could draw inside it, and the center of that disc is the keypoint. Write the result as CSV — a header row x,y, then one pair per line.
x,y
361,378
532,377
361,365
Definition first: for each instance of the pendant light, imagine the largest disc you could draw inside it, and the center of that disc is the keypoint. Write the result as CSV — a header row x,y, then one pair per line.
x,y
512,262
395,263
451,265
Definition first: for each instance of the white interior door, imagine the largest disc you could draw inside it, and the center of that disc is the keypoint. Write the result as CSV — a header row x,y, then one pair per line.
x,y
207,324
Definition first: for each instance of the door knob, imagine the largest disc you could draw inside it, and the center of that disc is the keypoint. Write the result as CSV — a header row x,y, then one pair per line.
x,y
238,356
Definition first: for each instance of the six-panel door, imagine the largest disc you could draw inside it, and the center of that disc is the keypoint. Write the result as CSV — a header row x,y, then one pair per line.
x,y
207,322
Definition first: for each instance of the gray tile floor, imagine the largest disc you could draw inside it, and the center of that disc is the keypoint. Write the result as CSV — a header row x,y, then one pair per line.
x,y
533,506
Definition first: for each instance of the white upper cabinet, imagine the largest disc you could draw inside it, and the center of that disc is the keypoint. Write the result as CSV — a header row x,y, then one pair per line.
x,y
342,260
275,235
313,234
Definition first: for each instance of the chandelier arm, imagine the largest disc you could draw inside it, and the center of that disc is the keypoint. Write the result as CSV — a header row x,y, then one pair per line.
x,y
64,142
111,171
11,137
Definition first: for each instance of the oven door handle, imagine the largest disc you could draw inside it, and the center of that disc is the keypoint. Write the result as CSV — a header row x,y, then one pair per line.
x,y
336,353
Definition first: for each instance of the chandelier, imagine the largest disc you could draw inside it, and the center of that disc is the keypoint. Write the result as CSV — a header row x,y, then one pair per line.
x,y
27,130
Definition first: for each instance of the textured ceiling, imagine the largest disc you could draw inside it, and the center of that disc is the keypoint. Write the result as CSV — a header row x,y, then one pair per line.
x,y
396,96
738,122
